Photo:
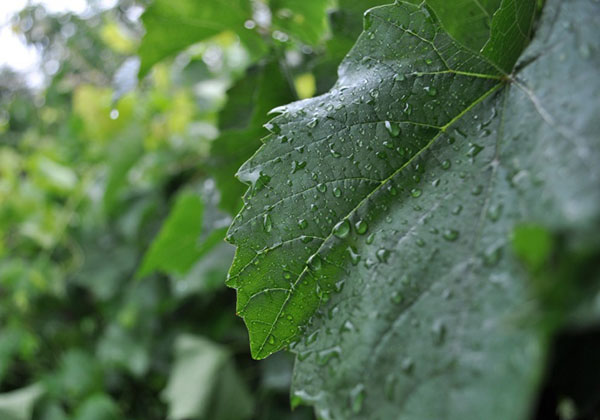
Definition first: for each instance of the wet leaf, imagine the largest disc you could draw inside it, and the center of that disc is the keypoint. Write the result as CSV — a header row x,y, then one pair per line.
x,y
431,155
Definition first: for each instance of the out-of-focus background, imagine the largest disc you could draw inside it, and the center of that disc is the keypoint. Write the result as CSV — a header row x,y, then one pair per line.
x,y
122,123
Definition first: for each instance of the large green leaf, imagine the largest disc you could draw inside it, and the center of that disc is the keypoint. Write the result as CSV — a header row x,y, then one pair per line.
x,y
399,190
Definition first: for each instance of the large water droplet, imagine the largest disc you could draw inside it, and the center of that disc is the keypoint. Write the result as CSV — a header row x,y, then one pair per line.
x,y
342,229
267,223
393,128
315,262
302,223
357,397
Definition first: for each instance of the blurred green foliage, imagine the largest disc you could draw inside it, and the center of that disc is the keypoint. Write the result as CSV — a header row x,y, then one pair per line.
x,y
115,194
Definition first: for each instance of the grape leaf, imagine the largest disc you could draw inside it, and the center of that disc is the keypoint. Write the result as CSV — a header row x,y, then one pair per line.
x,y
381,212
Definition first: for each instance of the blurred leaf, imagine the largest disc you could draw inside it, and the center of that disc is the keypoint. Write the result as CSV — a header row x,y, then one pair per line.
x,y
80,374
208,274
178,245
204,383
302,19
533,244
18,404
98,407
241,122
126,77
120,348
173,26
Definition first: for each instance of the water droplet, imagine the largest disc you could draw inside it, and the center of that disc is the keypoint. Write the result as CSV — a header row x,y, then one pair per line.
x,y
315,262
302,223
397,297
342,229
348,326
368,21
312,123
456,210
267,223
439,331
446,164
407,365
383,255
297,165
477,190
354,257
337,192
325,356
474,150
357,397
370,239
322,187
399,77
271,340
114,114
450,235
415,192
273,127
393,128
431,91
492,255
495,212
361,227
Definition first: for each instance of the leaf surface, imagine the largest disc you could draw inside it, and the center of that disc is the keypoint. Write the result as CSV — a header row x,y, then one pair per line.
x,y
381,212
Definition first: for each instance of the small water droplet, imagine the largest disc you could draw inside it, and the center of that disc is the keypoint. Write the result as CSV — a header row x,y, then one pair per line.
x,y
361,227
474,150
415,192
397,297
439,331
322,187
446,164
450,235
383,255
407,365
337,192
325,356
431,91
273,127
312,123
302,223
